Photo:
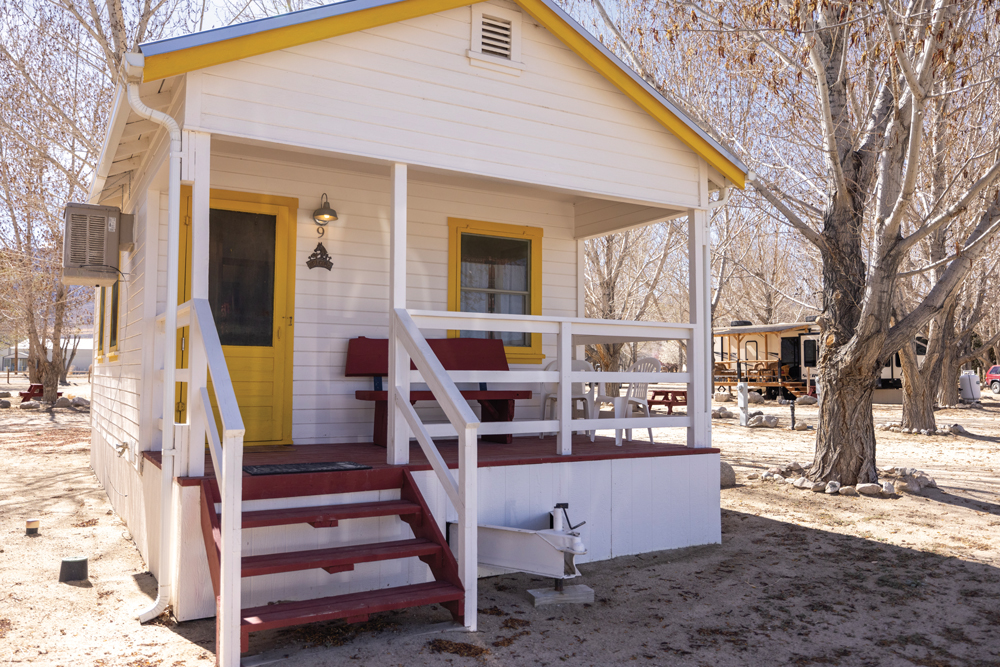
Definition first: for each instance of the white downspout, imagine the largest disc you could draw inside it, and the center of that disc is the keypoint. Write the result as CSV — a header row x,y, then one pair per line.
x,y
134,63
721,201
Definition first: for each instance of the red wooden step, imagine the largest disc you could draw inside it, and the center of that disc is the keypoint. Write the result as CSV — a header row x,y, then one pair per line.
x,y
327,516
354,606
337,559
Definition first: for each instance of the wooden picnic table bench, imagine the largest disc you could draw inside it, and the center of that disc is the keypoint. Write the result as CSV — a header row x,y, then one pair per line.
x,y
369,357
671,398
35,391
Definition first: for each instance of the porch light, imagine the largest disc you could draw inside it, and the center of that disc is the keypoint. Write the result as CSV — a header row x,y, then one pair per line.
x,y
324,213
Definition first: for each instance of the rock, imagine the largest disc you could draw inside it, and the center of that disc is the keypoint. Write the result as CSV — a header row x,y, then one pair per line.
x,y
727,476
818,487
80,402
869,489
924,481
30,405
888,488
908,485
957,429
796,466
848,491
753,475
832,488
62,402
763,421
716,415
801,426
756,413
723,397
802,483
806,400
4,404
775,471
754,398
4,394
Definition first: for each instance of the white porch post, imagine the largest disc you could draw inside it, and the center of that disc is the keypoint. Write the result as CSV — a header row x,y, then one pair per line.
x,y
199,155
699,347
564,362
399,361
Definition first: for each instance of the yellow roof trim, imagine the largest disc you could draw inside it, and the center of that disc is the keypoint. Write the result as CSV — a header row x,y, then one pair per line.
x,y
198,57
172,63
632,89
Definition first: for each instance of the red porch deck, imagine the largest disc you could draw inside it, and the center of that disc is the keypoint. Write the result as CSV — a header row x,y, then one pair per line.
x,y
523,450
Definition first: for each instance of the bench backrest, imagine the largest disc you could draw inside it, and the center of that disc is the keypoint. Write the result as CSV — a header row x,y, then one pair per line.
x,y
369,357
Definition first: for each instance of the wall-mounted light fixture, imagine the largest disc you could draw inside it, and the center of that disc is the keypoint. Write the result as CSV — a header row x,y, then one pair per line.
x,y
322,215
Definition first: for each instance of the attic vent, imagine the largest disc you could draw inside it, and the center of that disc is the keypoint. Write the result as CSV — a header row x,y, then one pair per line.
x,y
497,36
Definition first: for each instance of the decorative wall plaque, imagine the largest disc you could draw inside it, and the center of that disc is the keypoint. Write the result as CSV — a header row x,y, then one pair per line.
x,y
320,257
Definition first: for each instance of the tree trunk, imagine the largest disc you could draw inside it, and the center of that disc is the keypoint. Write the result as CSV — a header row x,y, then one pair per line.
x,y
920,386
948,391
845,439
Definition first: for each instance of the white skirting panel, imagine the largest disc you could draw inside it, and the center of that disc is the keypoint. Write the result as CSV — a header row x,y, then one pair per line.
x,y
631,506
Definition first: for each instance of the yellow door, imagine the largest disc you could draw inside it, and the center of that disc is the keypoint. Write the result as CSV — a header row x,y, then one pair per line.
x,y
251,289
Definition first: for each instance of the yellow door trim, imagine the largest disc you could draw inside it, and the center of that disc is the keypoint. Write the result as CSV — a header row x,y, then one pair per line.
x,y
286,211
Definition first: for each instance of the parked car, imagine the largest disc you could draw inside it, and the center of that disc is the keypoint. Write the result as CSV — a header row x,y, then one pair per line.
x,y
993,379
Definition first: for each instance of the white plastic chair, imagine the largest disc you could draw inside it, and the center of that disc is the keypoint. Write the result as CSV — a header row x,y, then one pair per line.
x,y
635,397
550,393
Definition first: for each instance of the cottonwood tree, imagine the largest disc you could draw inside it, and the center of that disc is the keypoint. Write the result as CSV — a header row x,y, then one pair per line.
x,y
841,97
59,63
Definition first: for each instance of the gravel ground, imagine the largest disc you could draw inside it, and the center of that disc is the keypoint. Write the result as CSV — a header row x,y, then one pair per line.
x,y
800,578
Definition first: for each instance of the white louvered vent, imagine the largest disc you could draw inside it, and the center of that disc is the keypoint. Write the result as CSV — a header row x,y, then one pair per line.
x,y
97,224
497,37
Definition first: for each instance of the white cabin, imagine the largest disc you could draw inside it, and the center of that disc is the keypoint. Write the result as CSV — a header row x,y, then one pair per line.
x,y
468,150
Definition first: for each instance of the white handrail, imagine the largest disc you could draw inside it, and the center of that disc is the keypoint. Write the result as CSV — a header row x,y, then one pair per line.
x,y
464,422
227,461
443,387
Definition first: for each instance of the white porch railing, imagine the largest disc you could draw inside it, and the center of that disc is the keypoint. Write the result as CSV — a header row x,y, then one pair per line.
x,y
226,450
570,332
408,343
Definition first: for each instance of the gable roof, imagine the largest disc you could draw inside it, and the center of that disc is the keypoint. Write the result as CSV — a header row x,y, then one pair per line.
x,y
178,55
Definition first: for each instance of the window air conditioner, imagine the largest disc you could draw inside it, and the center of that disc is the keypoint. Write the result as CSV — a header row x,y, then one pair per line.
x,y
94,235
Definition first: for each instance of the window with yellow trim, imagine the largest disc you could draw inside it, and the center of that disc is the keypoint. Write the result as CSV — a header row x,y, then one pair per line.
x,y
497,268
100,325
113,324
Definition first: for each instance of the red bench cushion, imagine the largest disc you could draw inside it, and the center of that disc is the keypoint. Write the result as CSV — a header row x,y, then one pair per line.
x,y
369,357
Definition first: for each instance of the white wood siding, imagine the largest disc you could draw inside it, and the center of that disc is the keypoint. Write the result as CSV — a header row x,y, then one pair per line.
x,y
115,403
332,307
407,92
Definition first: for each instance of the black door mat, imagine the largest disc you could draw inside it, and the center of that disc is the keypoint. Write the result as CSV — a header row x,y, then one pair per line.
x,y
293,468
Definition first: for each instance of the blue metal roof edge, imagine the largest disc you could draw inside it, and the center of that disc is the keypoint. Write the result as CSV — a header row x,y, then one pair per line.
x,y
348,6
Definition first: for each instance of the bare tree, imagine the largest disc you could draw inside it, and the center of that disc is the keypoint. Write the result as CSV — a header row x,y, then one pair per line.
x,y
840,97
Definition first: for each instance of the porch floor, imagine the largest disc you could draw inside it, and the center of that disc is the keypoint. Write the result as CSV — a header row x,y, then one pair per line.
x,y
524,450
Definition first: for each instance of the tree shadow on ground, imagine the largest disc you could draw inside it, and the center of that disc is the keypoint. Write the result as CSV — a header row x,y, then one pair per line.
x,y
940,496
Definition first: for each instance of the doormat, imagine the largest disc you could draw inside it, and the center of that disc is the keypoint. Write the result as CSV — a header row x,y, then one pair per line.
x,y
293,468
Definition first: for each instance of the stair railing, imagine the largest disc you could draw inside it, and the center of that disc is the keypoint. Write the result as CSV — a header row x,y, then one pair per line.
x,y
463,493
227,459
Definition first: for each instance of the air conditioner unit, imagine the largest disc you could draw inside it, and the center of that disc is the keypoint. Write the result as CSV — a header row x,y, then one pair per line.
x,y
94,235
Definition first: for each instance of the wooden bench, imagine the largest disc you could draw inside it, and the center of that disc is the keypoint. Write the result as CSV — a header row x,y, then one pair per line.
x,y
369,357
671,398
35,391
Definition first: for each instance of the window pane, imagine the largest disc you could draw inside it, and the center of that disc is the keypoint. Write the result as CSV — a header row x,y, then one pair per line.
x,y
492,268
809,350
490,262
241,276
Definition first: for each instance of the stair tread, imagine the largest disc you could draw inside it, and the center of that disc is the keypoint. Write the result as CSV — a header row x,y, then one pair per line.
x,y
315,558
353,604
286,516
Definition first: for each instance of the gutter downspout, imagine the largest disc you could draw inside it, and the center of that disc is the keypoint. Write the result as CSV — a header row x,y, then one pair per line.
x,y
721,201
134,63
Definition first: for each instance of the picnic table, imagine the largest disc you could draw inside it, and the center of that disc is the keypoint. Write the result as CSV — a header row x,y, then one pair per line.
x,y
669,398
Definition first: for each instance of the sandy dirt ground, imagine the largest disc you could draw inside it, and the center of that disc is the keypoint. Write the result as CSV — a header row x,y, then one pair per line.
x,y
800,578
